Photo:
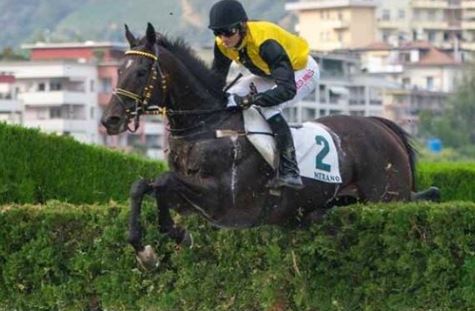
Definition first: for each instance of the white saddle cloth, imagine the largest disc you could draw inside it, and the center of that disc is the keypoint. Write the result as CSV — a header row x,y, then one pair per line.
x,y
317,154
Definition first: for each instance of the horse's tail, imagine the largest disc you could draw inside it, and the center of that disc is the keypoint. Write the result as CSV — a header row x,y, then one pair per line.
x,y
407,142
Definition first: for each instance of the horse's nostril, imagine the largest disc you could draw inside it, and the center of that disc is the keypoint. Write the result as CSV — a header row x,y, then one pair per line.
x,y
113,121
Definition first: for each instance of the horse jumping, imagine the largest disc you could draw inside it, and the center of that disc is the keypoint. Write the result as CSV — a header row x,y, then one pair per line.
x,y
224,178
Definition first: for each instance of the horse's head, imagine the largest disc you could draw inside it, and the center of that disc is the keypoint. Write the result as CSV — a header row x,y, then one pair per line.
x,y
141,85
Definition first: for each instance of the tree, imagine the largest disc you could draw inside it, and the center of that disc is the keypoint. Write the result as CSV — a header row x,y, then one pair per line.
x,y
9,54
456,124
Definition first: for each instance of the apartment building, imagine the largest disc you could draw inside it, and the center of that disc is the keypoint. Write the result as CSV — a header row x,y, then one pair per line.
x,y
10,106
64,88
394,21
342,89
335,24
468,26
57,97
426,76
447,24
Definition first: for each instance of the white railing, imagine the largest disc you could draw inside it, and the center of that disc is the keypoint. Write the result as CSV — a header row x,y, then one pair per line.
x,y
53,98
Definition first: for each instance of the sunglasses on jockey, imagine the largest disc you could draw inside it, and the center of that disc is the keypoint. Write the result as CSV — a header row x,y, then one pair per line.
x,y
226,32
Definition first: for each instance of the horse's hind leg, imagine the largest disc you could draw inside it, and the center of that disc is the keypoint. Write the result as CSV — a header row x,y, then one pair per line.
x,y
431,194
391,184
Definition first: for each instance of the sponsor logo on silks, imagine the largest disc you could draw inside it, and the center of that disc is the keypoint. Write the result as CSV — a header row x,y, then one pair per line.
x,y
327,178
307,76
323,170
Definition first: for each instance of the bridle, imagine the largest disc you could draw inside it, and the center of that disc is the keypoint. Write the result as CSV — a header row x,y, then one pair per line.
x,y
142,104
142,101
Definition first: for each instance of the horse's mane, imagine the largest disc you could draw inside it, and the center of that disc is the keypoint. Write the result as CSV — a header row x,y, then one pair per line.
x,y
180,49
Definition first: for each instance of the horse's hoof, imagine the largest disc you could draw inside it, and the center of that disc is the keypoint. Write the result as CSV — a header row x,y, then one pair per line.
x,y
434,194
147,258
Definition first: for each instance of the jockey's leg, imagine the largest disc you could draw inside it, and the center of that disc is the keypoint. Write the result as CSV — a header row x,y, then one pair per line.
x,y
288,174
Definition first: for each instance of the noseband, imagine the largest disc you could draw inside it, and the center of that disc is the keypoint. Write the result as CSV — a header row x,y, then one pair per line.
x,y
142,103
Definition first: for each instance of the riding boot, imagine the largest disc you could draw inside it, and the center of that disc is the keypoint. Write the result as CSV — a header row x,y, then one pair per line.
x,y
287,174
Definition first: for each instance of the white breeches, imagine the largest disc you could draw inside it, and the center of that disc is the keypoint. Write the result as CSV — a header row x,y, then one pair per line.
x,y
305,80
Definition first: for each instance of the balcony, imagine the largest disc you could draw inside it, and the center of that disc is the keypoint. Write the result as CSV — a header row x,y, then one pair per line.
x,y
336,24
54,98
392,24
331,45
435,25
154,128
468,25
61,125
468,46
9,105
428,4
468,4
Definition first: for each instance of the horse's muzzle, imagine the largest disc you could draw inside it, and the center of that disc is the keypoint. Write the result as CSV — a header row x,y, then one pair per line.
x,y
113,124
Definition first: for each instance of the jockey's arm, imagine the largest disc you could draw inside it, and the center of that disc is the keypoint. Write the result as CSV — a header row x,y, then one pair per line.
x,y
281,73
220,66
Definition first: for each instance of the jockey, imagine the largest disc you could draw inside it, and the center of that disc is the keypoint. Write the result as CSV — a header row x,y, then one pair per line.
x,y
283,72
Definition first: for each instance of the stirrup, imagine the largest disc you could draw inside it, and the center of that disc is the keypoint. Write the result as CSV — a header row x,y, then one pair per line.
x,y
279,181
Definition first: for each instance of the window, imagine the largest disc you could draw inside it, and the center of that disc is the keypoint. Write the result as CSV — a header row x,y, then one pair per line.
x,y
55,86
105,85
92,86
430,83
446,36
55,113
41,87
386,15
402,14
431,36
431,15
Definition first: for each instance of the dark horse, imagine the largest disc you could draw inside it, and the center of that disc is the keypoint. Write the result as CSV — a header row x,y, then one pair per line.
x,y
224,179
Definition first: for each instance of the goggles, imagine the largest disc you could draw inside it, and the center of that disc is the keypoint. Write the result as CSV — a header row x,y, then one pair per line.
x,y
226,32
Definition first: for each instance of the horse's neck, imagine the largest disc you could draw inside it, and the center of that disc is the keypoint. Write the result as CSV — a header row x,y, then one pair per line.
x,y
189,93
193,100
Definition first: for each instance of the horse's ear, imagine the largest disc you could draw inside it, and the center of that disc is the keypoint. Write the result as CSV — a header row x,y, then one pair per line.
x,y
130,37
151,35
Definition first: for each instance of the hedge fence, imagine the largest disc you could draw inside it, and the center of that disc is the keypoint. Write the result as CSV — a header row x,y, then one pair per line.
x,y
379,257
36,167
456,180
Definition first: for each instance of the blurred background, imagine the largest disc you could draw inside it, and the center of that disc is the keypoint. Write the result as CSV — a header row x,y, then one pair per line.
x,y
406,60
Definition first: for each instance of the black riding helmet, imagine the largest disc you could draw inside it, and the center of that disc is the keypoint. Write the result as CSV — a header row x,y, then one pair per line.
x,y
226,14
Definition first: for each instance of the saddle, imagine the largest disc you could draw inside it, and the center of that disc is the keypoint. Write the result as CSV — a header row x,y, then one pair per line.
x,y
316,150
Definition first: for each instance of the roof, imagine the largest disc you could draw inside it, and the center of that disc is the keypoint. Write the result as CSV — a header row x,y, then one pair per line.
x,y
87,44
437,57
378,46
419,44
305,5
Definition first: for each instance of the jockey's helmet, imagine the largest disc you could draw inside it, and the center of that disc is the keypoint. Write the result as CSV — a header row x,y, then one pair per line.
x,y
226,14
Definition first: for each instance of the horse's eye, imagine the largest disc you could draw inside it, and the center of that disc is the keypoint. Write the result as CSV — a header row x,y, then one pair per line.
x,y
141,73
119,71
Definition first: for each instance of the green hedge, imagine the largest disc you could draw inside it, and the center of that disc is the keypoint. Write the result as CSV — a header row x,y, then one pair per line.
x,y
381,257
36,167
456,180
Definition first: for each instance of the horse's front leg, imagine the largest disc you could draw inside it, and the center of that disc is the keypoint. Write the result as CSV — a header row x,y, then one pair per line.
x,y
137,191
145,255
167,196
168,192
